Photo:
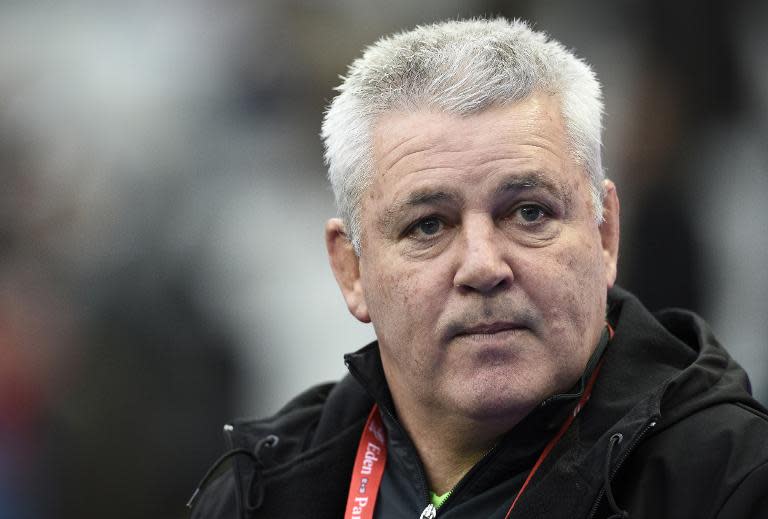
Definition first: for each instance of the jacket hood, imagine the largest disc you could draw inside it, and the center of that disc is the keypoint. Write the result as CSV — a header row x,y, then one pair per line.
x,y
674,355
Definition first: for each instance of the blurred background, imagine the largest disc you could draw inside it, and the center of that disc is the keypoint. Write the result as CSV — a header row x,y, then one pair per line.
x,y
162,266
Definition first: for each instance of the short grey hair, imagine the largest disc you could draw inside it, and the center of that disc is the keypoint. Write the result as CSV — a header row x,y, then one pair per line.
x,y
458,67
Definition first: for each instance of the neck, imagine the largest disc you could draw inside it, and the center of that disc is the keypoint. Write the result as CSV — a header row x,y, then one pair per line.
x,y
445,461
447,446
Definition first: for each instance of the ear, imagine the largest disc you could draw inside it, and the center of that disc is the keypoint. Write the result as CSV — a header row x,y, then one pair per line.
x,y
346,268
609,231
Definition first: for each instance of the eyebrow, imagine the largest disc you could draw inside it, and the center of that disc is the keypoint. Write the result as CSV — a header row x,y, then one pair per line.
x,y
535,180
515,184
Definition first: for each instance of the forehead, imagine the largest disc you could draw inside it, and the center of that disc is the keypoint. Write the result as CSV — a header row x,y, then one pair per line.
x,y
536,114
427,147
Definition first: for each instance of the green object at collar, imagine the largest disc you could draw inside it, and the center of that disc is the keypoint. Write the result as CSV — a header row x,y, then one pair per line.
x,y
438,500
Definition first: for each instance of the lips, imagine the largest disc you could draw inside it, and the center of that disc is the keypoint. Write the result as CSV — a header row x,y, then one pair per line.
x,y
489,329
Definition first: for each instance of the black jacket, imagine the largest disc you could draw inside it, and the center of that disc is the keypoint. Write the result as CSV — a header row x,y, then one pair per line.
x,y
669,432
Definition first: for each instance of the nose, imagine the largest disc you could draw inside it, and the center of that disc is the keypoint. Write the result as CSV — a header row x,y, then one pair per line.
x,y
482,264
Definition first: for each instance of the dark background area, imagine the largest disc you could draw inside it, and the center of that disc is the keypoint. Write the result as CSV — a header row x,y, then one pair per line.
x,y
162,267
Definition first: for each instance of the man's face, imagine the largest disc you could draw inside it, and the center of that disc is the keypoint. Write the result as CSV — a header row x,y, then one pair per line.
x,y
482,269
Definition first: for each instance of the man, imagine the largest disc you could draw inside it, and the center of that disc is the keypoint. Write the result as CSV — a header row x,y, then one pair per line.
x,y
510,378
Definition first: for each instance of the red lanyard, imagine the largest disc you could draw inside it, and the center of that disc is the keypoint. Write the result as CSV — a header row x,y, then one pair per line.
x,y
368,469
372,457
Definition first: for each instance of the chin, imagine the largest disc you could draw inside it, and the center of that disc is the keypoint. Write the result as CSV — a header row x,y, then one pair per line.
x,y
492,405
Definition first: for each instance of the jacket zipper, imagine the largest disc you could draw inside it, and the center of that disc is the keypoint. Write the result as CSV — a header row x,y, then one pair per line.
x,y
650,424
430,512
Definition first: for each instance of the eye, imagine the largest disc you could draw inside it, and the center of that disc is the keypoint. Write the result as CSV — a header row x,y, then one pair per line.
x,y
531,213
426,227
429,226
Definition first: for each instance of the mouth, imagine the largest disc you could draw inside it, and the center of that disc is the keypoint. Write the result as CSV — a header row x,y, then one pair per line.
x,y
490,329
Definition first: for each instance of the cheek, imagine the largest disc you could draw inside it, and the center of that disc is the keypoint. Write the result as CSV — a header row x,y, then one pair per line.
x,y
574,293
392,295
405,301
398,285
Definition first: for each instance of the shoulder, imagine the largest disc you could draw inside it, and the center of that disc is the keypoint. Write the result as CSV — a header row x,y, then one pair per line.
x,y
311,434
731,433
313,417
712,463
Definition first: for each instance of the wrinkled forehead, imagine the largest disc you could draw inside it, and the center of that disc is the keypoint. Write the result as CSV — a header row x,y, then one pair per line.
x,y
538,113
409,142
